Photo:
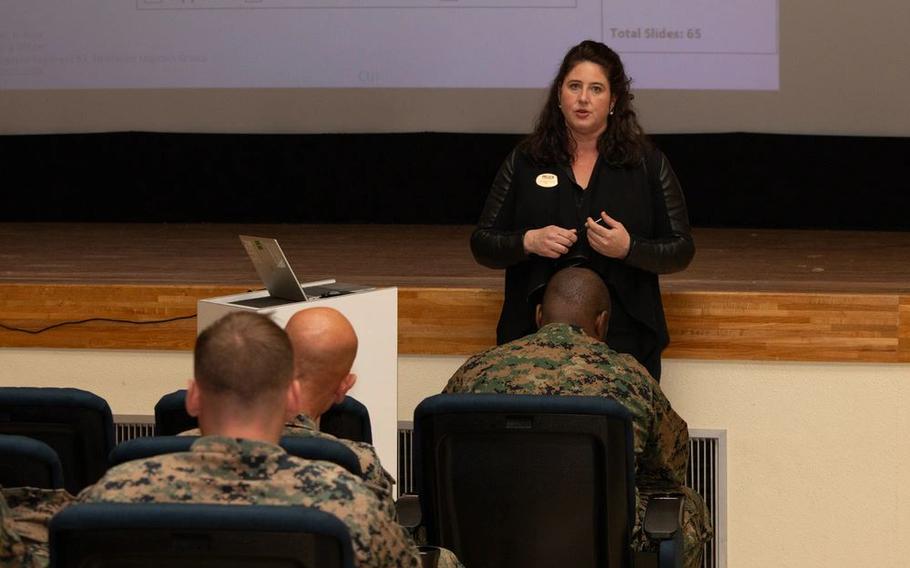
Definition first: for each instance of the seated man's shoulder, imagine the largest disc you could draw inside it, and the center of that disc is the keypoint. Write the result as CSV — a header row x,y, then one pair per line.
x,y
302,426
143,480
205,476
24,515
366,455
616,364
32,501
333,489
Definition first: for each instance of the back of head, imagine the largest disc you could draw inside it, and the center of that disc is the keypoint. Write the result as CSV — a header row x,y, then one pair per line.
x,y
576,296
325,345
243,359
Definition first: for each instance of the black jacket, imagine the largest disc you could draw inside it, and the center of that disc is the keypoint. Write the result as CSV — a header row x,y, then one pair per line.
x,y
647,200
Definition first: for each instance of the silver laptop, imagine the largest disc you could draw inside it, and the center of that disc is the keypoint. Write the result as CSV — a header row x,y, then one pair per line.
x,y
276,273
273,268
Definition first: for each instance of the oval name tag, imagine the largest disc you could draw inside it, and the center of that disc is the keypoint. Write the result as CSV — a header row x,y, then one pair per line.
x,y
547,180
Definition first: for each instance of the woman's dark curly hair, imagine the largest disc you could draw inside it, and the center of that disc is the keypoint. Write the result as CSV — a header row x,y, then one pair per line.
x,y
623,142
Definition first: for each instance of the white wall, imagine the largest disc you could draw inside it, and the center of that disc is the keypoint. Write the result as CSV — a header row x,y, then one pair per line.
x,y
817,453
130,381
843,71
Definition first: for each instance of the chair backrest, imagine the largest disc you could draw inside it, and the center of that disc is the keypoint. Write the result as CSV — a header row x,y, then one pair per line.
x,y
348,419
188,535
26,462
75,423
171,417
526,480
303,447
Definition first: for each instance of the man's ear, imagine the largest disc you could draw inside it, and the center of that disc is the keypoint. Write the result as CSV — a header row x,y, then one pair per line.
x,y
538,315
344,386
601,324
192,402
293,400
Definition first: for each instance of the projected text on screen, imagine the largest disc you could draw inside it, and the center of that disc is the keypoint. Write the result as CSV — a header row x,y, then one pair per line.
x,y
685,44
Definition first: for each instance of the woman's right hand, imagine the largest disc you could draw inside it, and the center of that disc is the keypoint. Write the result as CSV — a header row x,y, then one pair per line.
x,y
550,241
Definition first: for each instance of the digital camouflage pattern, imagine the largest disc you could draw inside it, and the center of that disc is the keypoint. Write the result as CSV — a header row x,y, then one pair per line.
x,y
24,515
560,359
374,475
229,471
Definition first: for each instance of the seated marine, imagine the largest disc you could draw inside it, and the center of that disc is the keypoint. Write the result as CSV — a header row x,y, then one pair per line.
x,y
567,356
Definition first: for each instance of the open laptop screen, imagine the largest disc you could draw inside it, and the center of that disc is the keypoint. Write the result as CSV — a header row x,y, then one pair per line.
x,y
273,268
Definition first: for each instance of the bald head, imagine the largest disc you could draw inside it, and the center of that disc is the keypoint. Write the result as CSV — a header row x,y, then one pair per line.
x,y
576,296
325,346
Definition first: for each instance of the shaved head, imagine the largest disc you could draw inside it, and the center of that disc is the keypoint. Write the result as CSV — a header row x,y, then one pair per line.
x,y
244,356
243,378
325,346
576,296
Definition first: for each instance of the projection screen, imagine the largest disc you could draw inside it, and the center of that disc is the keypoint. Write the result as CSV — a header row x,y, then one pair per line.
x,y
139,44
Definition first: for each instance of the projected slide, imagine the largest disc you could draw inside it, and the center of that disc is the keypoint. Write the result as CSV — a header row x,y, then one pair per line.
x,y
684,44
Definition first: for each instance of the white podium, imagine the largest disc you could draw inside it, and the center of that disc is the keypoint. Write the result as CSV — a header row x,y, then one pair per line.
x,y
374,315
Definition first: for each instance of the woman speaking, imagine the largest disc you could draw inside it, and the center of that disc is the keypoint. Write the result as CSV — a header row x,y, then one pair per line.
x,y
587,188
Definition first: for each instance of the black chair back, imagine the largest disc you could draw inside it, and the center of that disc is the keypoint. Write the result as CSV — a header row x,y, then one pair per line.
x,y
303,447
521,480
108,535
171,417
76,424
26,462
349,419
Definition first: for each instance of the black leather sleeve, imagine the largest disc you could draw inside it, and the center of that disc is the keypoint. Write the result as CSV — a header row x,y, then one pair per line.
x,y
495,242
672,248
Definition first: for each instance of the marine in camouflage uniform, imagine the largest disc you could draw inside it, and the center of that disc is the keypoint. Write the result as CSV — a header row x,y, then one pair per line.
x,y
325,347
243,391
231,471
562,359
24,515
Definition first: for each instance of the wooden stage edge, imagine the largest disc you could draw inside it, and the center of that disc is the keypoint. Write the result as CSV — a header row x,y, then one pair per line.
x,y
837,305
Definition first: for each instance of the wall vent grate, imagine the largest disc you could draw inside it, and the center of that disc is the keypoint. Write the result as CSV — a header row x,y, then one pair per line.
x,y
127,427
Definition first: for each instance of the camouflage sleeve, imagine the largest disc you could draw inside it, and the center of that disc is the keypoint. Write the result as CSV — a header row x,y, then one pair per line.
x,y
378,541
10,544
375,477
666,454
26,512
696,527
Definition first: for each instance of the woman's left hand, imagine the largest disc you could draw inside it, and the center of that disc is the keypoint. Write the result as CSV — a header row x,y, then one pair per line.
x,y
608,236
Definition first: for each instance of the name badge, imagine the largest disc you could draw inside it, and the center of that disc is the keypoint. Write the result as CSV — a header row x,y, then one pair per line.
x,y
547,180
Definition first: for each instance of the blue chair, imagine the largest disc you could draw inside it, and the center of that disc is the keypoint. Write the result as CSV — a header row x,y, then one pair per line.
x,y
303,447
108,535
525,480
171,417
75,423
26,462
349,419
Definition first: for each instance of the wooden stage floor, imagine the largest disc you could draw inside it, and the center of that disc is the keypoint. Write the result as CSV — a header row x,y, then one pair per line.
x,y
749,294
